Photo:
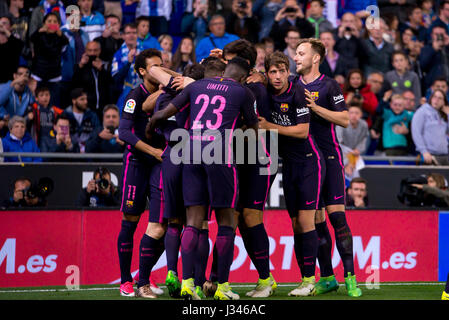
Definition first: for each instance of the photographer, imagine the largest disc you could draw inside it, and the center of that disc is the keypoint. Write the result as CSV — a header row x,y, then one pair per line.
x,y
435,191
105,139
100,192
27,195
242,22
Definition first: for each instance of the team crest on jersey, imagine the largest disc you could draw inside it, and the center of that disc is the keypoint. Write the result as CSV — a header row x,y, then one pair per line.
x,y
129,203
315,95
130,106
284,107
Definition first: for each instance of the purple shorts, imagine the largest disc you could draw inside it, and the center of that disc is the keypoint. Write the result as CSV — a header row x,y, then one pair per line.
x,y
172,180
142,180
254,187
214,184
333,191
302,182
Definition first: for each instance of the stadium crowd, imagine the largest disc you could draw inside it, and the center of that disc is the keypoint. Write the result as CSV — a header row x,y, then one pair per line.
x,y
61,64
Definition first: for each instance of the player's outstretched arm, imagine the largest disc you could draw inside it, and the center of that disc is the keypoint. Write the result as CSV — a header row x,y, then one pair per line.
x,y
340,118
161,75
300,131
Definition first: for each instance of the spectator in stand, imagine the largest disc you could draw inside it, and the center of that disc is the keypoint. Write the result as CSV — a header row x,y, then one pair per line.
x,y
269,45
16,95
105,139
44,8
357,90
92,22
91,75
10,50
266,14
356,7
261,54
428,14
317,19
159,12
290,15
242,22
100,191
292,38
110,40
41,117
355,136
60,138
83,121
122,70
410,100
401,79
377,85
18,140
396,124
218,38
434,57
435,191
194,24
144,37
334,65
184,55
390,32
348,43
378,51
165,42
430,127
48,43
439,83
357,193
415,23
19,20
443,18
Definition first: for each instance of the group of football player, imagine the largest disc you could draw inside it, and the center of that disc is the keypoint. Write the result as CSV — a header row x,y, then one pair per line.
x,y
210,100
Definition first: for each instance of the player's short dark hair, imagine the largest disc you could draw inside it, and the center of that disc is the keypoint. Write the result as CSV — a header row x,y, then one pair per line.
x,y
194,71
358,180
240,63
77,92
110,107
141,59
213,67
61,116
40,90
321,2
316,45
242,48
276,59
142,18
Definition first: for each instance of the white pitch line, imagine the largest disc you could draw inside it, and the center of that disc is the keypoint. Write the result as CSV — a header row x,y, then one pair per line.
x,y
236,286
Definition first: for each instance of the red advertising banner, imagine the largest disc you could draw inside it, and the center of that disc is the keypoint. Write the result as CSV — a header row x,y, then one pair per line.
x,y
41,248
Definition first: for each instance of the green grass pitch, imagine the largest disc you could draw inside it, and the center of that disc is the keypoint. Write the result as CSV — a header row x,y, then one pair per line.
x,y
386,291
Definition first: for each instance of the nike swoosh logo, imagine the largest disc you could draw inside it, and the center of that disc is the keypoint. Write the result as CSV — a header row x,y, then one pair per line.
x,y
307,202
258,202
336,198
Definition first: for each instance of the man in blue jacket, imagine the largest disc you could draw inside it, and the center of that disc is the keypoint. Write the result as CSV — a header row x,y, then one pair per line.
x,y
15,95
218,38
18,140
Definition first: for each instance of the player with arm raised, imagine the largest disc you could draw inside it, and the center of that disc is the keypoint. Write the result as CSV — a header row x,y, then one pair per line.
x,y
302,164
328,107
141,171
215,106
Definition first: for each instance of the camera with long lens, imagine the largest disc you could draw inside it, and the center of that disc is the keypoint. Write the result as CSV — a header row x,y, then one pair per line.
x,y
290,10
103,184
410,195
42,189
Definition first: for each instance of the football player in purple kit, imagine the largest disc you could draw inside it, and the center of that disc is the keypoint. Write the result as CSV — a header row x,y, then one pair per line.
x,y
141,179
215,105
326,101
254,187
302,162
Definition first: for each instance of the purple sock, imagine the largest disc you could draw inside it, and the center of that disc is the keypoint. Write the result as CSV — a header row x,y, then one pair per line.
x,y
201,258
299,252
189,244
150,252
125,249
213,271
261,250
324,249
343,239
172,244
225,252
310,250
